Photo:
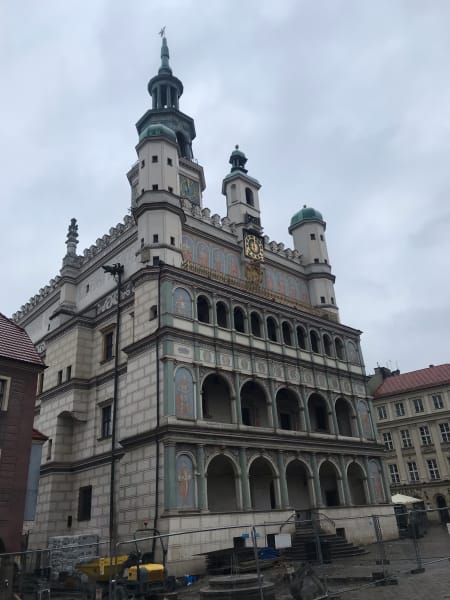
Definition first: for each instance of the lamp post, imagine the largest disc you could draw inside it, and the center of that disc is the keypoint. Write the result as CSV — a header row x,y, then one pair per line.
x,y
116,270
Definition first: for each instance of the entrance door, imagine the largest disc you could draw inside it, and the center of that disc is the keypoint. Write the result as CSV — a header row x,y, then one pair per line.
x,y
443,512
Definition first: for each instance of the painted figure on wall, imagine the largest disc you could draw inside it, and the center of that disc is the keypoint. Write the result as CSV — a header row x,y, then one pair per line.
x,y
269,280
366,422
219,260
203,254
352,353
377,481
185,481
232,264
188,249
184,394
182,303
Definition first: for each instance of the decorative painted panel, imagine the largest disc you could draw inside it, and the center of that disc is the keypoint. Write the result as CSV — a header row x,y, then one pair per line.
x,y
182,303
352,353
377,481
185,482
366,422
184,394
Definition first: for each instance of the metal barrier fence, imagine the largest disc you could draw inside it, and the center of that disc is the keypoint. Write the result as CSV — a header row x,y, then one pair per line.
x,y
329,555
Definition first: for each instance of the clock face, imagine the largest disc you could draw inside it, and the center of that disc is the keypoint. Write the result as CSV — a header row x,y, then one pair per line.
x,y
190,189
253,246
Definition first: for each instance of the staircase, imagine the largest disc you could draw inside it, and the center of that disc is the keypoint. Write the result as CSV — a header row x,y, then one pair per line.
x,y
304,541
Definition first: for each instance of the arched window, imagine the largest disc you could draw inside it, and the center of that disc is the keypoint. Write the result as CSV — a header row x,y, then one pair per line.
x,y
239,319
301,337
222,314
249,197
287,335
339,347
216,399
314,339
344,417
272,329
327,345
255,324
203,309
254,405
318,414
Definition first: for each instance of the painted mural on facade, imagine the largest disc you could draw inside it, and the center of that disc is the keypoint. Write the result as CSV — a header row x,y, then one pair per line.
x,y
229,263
377,481
182,303
184,394
185,482
366,421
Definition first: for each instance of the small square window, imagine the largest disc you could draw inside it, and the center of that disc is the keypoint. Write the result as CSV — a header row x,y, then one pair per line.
x,y
87,288
332,300
49,449
154,159
154,187
169,162
316,260
156,261
40,385
153,312
172,241
322,299
155,238
60,375
142,164
170,189
325,261
322,238
313,236
84,503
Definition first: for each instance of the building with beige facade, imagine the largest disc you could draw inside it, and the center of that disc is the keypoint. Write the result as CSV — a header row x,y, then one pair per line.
x,y
413,419
208,364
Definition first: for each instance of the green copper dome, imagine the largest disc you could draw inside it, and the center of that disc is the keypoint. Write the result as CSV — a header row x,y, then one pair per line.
x,y
306,214
158,130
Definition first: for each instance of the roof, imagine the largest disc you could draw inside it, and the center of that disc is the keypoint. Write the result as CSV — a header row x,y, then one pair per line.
x,y
15,343
306,214
38,436
415,380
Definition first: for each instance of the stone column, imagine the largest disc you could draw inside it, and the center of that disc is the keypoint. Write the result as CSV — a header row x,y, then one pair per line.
x,y
316,480
201,481
198,395
369,482
346,489
169,395
284,492
170,496
306,413
158,97
272,407
238,398
245,484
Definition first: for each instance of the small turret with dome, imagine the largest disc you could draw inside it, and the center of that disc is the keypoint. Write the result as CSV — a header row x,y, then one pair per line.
x,y
308,231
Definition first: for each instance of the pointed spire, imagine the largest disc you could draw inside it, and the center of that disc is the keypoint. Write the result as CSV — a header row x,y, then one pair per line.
x,y
72,238
165,69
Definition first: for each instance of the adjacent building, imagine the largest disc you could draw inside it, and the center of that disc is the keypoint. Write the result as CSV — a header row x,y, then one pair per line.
x,y
413,419
20,368
205,359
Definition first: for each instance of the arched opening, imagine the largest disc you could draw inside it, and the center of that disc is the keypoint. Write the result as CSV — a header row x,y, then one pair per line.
x,y
203,309
297,484
262,485
287,410
255,324
272,329
328,484
239,319
314,339
287,334
343,417
327,346
301,337
216,399
222,314
339,347
253,405
355,478
318,414
443,511
249,197
221,485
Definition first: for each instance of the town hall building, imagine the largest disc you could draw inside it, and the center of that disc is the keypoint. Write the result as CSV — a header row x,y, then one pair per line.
x,y
198,372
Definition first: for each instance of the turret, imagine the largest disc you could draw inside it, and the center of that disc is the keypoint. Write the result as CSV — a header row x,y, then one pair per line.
x,y
308,230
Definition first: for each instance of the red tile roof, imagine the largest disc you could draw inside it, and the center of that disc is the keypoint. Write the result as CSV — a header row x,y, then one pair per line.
x,y
415,380
15,343
38,436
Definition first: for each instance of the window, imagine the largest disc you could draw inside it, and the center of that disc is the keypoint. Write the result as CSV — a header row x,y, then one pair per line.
x,y
153,312
106,421
406,439
388,443
221,314
418,405
69,373
433,469
322,299
108,345
437,401
39,388
84,503
249,197
170,189
154,159
287,337
445,431
142,164
155,238
413,473
399,409
239,319
170,162
314,341
172,241
425,435
272,329
154,187
313,236
203,309
395,476
382,414
301,338
321,237
316,260
255,324
49,449
155,261
60,374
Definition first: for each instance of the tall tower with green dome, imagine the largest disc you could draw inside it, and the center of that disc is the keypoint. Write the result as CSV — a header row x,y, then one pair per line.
x,y
308,231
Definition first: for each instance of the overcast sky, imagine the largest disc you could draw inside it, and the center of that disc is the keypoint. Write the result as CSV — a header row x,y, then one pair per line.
x,y
340,105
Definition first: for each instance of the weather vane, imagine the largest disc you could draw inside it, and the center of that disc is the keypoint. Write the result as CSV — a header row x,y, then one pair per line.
x,y
163,31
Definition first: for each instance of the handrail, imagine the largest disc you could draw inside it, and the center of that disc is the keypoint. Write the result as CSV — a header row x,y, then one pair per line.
x,y
293,514
325,517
